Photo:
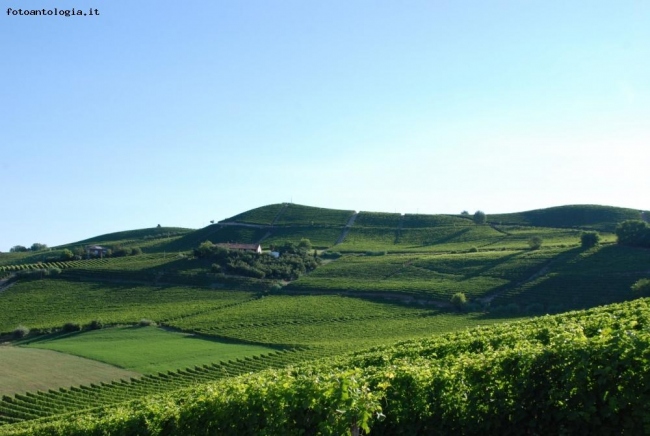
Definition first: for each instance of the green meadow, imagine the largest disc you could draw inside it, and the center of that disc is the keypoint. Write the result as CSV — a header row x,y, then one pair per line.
x,y
147,350
30,370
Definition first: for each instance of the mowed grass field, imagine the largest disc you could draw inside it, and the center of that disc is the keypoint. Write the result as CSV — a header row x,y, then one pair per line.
x,y
29,370
148,350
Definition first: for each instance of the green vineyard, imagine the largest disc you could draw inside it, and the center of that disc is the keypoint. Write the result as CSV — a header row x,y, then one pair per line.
x,y
402,324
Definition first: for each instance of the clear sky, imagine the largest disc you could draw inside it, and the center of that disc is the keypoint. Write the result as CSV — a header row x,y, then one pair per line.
x,y
178,113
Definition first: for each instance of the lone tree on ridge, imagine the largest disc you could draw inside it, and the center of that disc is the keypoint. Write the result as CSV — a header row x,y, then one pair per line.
x,y
480,217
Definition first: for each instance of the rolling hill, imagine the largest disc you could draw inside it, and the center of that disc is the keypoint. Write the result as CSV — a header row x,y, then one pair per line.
x,y
382,278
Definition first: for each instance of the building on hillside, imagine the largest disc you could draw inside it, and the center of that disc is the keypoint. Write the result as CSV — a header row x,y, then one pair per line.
x,y
252,248
96,251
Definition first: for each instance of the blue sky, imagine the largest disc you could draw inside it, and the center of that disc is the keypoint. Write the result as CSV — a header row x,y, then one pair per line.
x,y
178,113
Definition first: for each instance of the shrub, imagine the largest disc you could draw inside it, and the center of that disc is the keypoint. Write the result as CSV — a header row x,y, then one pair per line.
x,y
473,250
20,332
459,300
330,254
304,244
119,251
95,324
54,271
642,287
216,268
376,253
589,239
535,243
633,232
69,327
67,255
136,251
480,217
144,322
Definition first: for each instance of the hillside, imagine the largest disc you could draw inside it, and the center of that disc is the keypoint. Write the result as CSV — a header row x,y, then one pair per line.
x,y
602,218
579,373
369,279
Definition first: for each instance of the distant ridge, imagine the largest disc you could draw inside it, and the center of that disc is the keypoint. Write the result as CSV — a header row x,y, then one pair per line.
x,y
603,218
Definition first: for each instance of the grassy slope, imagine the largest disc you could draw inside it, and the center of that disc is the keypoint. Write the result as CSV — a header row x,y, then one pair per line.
x,y
436,263
25,370
147,350
52,303
261,215
603,218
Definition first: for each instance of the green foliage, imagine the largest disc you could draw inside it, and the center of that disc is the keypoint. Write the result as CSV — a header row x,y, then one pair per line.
x,y
589,239
69,327
20,332
634,233
459,300
18,249
144,322
294,261
535,243
479,217
36,246
95,324
579,373
319,236
120,251
330,254
642,287
67,255
304,245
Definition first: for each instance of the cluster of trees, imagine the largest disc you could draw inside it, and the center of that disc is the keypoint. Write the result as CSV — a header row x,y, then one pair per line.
x,y
635,233
78,253
294,260
36,246
479,216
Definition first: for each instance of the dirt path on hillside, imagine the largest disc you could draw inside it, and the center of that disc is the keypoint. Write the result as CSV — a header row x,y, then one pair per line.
x,y
279,214
347,228
535,276
5,283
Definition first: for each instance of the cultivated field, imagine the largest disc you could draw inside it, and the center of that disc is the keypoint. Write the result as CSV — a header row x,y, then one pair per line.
x,y
392,278
30,370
